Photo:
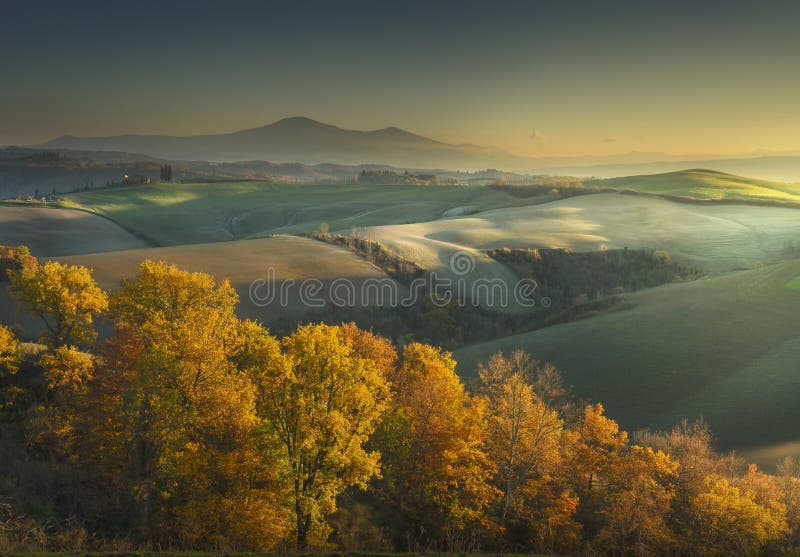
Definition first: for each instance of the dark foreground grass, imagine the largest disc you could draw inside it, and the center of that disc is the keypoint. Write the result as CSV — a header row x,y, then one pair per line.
x,y
244,554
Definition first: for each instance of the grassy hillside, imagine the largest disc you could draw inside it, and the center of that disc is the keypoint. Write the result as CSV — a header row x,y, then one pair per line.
x,y
708,237
705,185
243,262
50,232
725,348
175,214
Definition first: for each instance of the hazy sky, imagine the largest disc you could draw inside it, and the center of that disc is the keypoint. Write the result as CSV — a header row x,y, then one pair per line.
x,y
536,78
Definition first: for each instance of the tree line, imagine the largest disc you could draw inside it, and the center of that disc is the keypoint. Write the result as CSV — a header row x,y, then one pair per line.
x,y
189,428
575,284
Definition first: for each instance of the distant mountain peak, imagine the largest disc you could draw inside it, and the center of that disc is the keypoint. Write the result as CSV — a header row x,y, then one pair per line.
x,y
290,124
299,121
394,130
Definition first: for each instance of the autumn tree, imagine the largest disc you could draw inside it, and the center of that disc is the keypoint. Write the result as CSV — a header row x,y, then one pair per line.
x,y
66,370
9,352
788,477
65,374
692,446
321,399
593,447
727,520
544,377
595,443
636,503
14,258
524,434
371,346
64,297
9,365
190,413
767,490
103,433
39,434
436,470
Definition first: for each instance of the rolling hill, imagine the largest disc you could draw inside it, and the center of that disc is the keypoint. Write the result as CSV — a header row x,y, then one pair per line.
x,y
51,232
784,167
713,238
703,184
428,224
174,214
725,348
244,261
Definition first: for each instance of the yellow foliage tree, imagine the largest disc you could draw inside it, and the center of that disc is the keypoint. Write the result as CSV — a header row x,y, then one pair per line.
x,y
594,445
165,290
636,503
66,373
13,258
727,520
66,370
322,400
190,414
9,365
436,467
525,442
9,352
789,481
371,346
524,436
65,298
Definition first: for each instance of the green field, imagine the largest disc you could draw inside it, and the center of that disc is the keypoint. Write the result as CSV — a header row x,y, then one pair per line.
x,y
174,214
794,284
726,348
706,185
430,224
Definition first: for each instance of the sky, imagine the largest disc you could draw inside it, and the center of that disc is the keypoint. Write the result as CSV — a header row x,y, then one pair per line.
x,y
535,78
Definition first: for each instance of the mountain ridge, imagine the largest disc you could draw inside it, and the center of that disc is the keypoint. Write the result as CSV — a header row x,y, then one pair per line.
x,y
304,140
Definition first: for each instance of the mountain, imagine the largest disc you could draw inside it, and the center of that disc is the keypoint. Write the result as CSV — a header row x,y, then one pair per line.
x,y
306,141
